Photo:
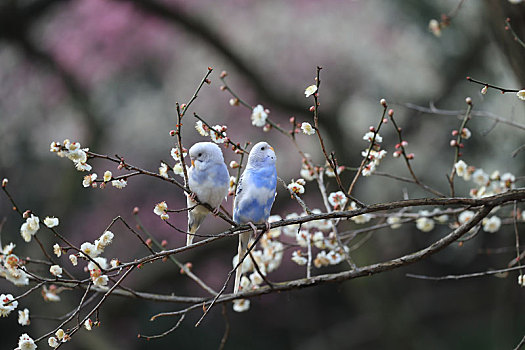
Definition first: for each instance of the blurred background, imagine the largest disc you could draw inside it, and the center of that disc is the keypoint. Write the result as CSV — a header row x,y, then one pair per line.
x,y
108,74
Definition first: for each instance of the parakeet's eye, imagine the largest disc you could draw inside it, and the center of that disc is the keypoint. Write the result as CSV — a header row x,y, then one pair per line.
x,y
262,148
200,154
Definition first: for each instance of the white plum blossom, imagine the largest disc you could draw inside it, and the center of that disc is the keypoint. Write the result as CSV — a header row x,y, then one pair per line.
x,y
424,223
161,208
296,187
256,279
120,184
465,133
201,128
25,342
507,180
175,154
298,258
307,173
310,90
394,222
491,224
53,342
291,230
318,240
105,239
361,219
73,259
521,93
8,249
370,135
163,170
480,177
89,179
435,27
51,221
88,324
107,176
90,249
50,294
57,250
56,270
7,304
177,169
330,172
100,281
307,128
23,317
30,227
241,305
219,135
465,216
461,168
259,116
337,200
321,259
303,237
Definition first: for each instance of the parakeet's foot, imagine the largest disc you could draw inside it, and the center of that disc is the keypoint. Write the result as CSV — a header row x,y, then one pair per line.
x,y
267,227
192,196
215,211
253,228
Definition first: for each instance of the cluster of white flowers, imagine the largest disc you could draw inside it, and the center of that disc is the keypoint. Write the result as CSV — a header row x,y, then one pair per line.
x,y
95,271
30,227
10,267
73,152
521,93
177,168
297,186
161,210
61,335
268,258
231,188
220,135
313,234
375,155
7,304
259,116
95,249
25,342
486,185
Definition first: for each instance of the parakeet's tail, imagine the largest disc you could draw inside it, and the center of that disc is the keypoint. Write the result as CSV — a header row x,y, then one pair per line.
x,y
243,247
189,237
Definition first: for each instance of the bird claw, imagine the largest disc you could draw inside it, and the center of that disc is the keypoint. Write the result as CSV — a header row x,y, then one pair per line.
x,y
253,228
267,226
215,211
192,196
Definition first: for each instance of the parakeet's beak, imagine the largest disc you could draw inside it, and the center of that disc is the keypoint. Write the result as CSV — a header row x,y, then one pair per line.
x,y
192,163
272,148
